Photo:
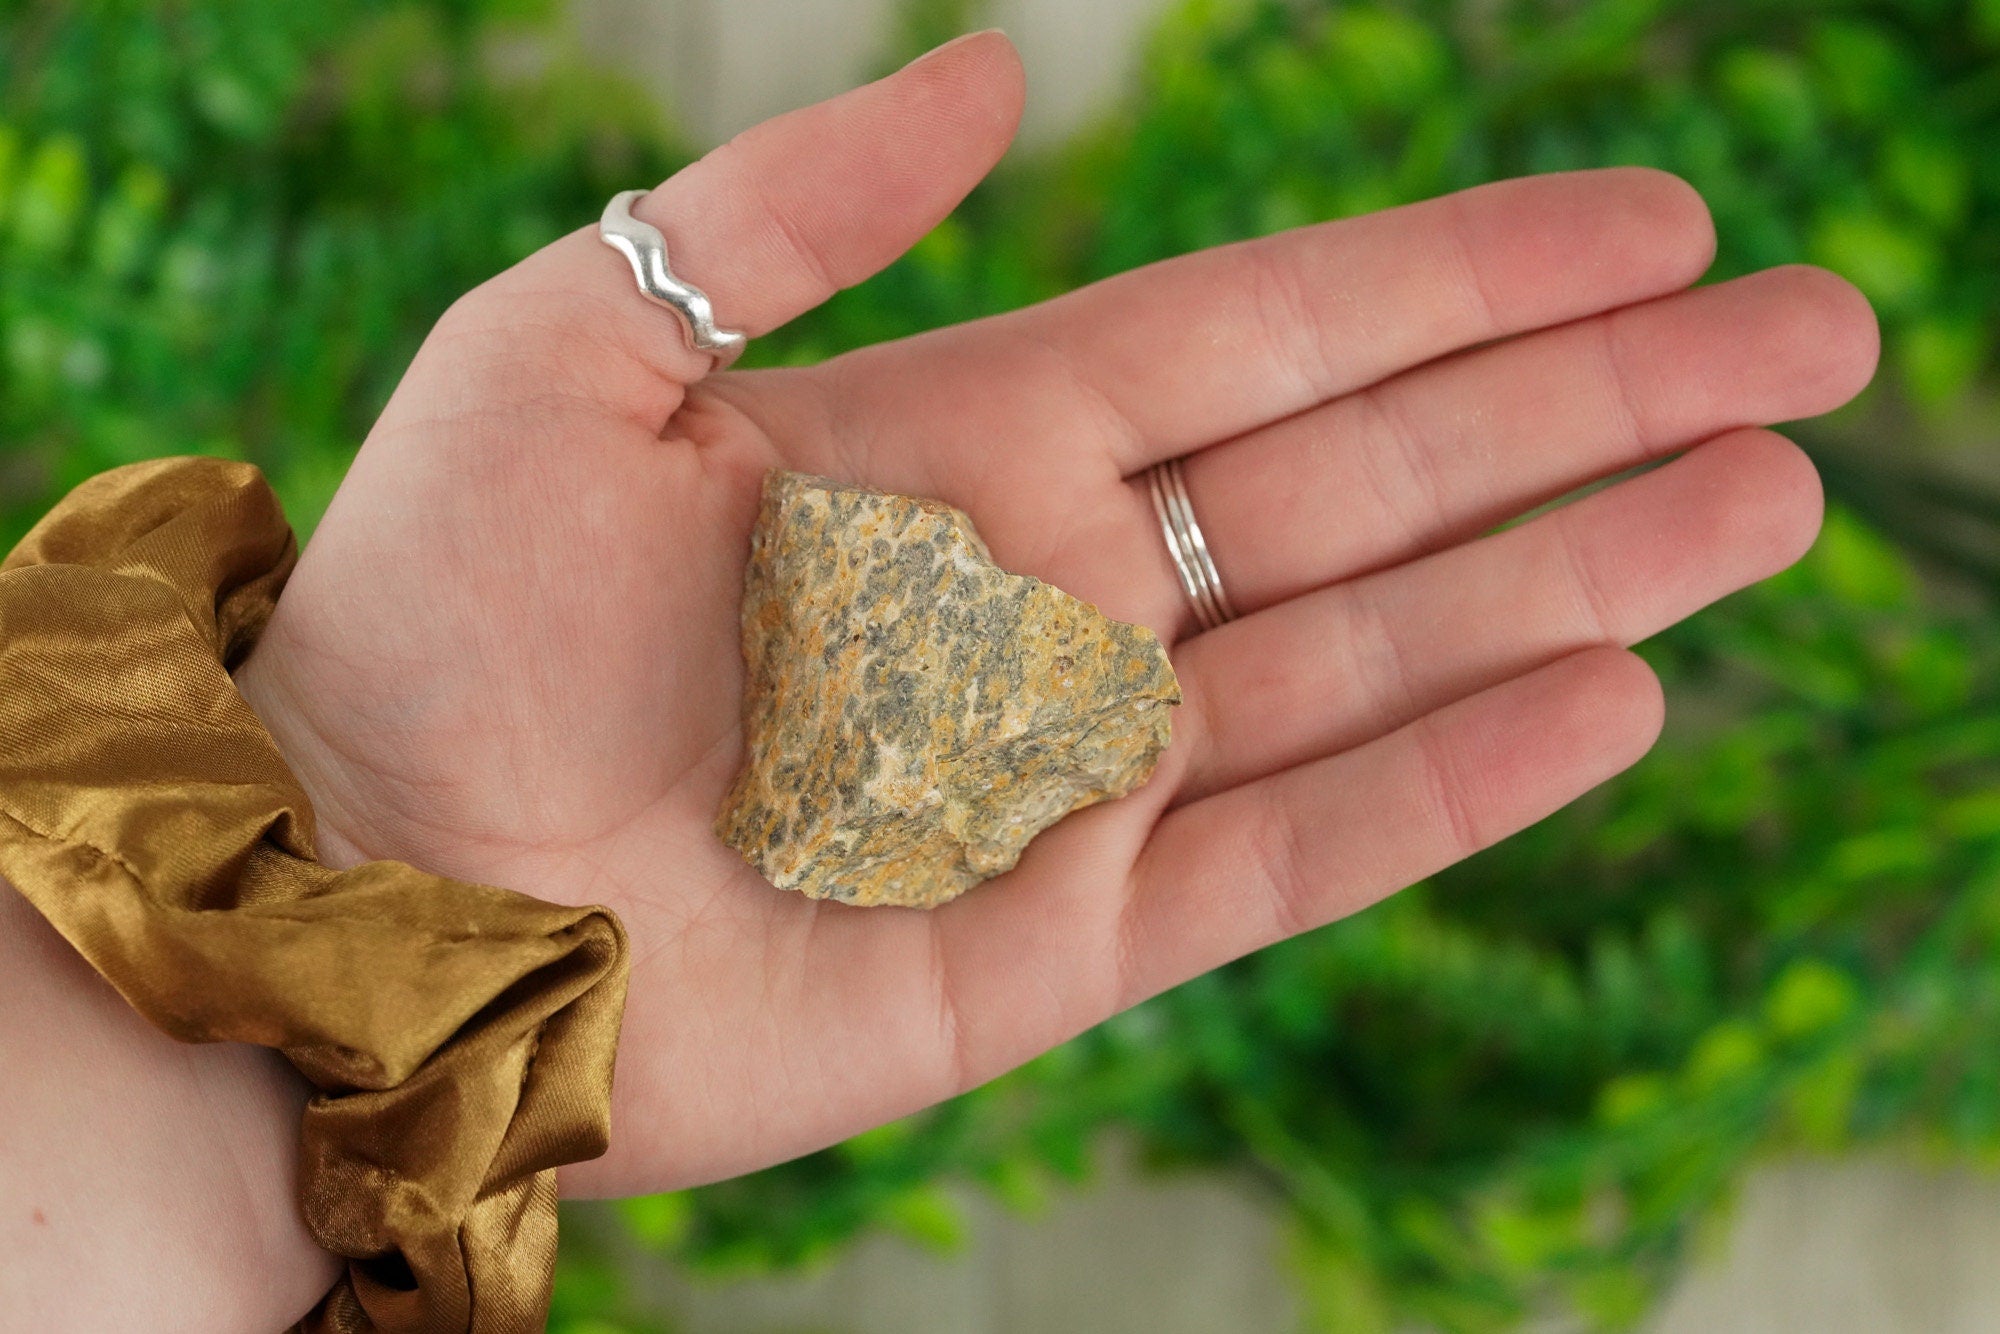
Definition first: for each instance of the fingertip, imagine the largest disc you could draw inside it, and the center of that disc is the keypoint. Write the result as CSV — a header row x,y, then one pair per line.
x,y
977,72
1640,700
1571,243
1648,219
1607,710
1834,321
1519,751
1674,211
1802,499
1779,501
982,39
1570,724
1607,713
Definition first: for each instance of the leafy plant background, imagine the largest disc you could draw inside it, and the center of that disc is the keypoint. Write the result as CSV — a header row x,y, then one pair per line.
x,y
225,224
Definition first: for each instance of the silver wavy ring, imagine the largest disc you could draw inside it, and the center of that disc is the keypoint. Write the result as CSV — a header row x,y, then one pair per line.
x,y
1185,544
642,244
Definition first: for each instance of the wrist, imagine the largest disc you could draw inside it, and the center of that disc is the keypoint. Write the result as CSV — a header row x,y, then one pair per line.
x,y
272,694
141,1179
460,1036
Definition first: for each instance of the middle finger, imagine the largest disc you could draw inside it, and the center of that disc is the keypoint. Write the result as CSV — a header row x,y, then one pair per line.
x,y
1442,452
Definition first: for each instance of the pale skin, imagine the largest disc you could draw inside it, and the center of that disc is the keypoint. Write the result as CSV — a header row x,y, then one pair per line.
x,y
510,654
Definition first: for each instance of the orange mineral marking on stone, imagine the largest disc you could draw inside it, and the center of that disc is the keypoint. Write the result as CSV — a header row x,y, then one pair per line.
x,y
913,714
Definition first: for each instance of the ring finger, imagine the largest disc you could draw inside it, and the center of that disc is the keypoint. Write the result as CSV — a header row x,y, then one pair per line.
x,y
1345,664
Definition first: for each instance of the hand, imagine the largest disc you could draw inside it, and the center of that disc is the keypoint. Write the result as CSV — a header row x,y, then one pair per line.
x,y
510,652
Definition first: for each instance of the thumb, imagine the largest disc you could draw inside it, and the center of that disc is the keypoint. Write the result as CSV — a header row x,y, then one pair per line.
x,y
773,222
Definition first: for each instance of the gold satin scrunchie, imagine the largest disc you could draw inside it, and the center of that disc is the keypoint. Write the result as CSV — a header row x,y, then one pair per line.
x,y
460,1036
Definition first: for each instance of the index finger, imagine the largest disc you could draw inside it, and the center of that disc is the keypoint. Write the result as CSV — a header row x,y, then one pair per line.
x,y
1205,346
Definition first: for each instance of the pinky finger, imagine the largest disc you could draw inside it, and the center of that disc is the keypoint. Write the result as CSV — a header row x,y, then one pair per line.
x,y
1249,866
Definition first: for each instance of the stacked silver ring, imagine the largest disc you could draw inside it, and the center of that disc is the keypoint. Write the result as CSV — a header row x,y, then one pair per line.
x,y
1185,544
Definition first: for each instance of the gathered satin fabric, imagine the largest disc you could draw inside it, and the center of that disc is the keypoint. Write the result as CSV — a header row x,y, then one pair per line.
x,y
459,1037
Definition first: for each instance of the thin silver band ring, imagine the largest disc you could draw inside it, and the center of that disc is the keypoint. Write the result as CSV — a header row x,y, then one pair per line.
x,y
642,244
1200,580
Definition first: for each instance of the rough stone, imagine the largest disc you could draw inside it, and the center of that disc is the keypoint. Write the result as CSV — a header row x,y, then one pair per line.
x,y
913,714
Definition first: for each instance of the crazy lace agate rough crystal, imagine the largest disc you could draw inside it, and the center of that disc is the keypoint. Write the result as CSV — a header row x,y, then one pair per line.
x,y
913,714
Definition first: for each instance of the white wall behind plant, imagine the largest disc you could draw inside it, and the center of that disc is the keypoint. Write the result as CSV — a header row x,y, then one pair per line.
x,y
1862,1246
723,65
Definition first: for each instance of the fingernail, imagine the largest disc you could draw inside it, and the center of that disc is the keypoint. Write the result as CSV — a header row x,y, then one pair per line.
x,y
958,40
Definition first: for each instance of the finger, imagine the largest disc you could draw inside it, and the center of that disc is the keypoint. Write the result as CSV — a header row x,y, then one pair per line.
x,y
1206,346
1257,863
1440,453
768,225
1340,666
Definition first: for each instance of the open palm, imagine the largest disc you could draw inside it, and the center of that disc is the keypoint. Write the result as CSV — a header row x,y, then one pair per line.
x,y
510,651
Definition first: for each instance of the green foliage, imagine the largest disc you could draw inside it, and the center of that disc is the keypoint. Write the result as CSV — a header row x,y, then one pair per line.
x,y
224,225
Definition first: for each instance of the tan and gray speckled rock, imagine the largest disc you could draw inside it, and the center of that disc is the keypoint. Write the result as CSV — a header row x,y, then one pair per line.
x,y
913,714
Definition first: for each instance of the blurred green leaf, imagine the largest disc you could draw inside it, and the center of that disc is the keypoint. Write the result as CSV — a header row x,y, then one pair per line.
x,y
1769,94
926,1216
49,200
1382,60
1929,175
1726,1052
1864,69
1809,996
1940,356
658,1221
1894,264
